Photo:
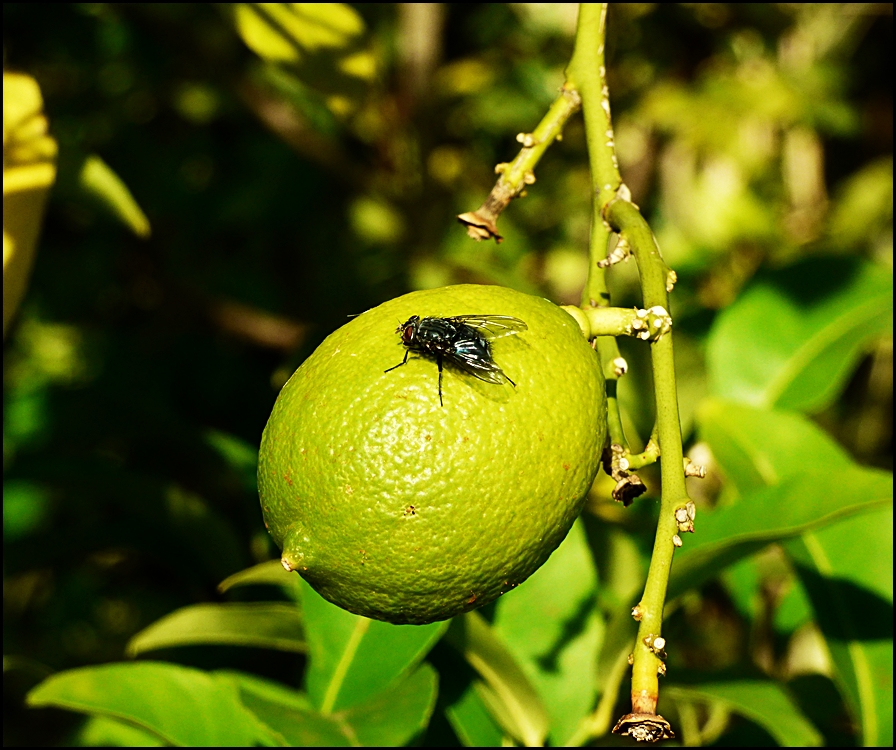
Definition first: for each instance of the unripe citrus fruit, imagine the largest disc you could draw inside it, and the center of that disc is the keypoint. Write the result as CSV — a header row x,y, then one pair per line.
x,y
400,509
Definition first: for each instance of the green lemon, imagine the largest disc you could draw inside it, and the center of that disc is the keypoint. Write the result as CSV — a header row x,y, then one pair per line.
x,y
400,509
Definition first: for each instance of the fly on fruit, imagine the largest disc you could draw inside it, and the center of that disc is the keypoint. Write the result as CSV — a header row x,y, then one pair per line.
x,y
463,341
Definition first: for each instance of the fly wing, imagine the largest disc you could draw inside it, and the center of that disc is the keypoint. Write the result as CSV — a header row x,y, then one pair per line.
x,y
472,356
492,326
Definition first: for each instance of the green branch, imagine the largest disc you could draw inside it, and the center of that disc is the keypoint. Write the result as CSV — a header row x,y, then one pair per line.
x,y
625,218
647,325
612,210
516,175
586,74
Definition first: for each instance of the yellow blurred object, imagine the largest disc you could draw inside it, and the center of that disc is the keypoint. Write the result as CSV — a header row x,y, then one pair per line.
x,y
319,40
29,169
100,181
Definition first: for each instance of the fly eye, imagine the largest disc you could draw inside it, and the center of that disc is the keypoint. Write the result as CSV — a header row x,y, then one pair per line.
x,y
408,333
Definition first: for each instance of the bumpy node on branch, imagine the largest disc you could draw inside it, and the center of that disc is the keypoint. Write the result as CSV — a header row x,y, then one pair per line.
x,y
651,324
694,470
622,252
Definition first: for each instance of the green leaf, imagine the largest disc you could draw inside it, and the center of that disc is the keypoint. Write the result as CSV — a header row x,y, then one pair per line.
x,y
391,718
270,573
798,504
845,567
104,731
182,706
765,703
847,570
239,455
287,714
552,627
505,690
260,624
472,722
747,582
793,339
613,672
759,447
398,713
353,658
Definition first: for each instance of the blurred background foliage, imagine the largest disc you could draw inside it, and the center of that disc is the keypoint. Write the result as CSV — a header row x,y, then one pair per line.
x,y
233,181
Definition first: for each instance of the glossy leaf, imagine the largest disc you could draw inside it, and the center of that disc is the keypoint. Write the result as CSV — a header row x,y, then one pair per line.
x,y
847,570
182,706
765,703
287,714
391,718
841,564
793,339
353,658
260,624
798,504
551,625
505,690
758,447
270,573
472,722
104,731
398,713
746,580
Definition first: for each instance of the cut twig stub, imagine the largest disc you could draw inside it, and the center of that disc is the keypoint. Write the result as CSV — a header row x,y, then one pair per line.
x,y
482,223
480,227
644,727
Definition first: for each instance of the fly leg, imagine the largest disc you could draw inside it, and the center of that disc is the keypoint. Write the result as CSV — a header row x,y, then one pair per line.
x,y
440,380
404,361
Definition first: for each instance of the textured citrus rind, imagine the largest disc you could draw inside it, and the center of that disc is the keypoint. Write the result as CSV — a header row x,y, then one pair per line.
x,y
398,509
